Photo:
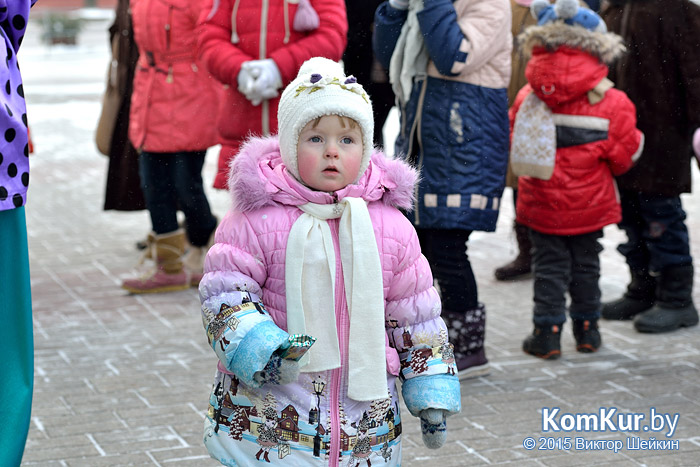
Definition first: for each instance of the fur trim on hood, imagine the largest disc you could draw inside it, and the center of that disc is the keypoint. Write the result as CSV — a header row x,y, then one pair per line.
x,y
258,178
605,46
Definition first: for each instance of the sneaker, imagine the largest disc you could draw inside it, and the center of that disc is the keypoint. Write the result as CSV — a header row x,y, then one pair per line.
x,y
544,342
587,335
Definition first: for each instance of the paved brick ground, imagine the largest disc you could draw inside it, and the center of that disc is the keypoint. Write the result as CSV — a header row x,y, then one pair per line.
x,y
123,380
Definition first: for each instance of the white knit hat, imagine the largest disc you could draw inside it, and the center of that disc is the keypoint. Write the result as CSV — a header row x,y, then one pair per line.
x,y
321,88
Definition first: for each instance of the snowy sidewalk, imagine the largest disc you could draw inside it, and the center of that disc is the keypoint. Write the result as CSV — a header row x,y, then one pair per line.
x,y
124,380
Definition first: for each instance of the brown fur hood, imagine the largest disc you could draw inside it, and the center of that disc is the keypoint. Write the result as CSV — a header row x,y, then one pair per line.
x,y
605,46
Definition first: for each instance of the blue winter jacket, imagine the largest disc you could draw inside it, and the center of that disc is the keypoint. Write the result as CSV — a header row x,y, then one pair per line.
x,y
454,127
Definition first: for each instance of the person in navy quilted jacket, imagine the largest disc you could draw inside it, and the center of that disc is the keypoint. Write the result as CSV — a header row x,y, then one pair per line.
x,y
450,64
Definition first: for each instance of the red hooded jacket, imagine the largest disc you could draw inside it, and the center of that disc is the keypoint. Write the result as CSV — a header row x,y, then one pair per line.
x,y
581,195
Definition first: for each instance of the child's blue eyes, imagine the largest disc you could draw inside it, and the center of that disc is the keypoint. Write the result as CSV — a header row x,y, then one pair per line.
x,y
318,139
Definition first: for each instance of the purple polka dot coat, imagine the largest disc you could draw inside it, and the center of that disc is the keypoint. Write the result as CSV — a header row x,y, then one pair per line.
x,y
14,150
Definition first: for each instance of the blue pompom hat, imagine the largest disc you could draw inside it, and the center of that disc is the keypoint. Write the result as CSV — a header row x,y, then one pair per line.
x,y
569,12
566,23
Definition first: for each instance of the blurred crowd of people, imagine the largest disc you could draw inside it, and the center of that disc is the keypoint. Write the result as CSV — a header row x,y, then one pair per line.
x,y
589,111
471,84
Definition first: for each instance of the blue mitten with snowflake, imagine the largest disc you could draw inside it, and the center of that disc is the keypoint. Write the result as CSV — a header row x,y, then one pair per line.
x,y
433,425
278,371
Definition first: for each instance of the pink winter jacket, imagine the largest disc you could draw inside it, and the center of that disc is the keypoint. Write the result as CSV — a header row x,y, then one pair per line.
x,y
174,104
247,262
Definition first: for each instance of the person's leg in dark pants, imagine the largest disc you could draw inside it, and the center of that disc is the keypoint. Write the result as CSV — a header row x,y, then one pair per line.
x,y
192,200
157,172
551,263
641,291
465,317
667,240
158,183
521,266
584,290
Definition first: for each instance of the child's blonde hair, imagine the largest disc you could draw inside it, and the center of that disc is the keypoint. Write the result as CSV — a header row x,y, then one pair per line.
x,y
344,121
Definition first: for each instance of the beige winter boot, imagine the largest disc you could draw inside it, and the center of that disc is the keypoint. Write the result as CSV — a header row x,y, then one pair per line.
x,y
169,274
194,260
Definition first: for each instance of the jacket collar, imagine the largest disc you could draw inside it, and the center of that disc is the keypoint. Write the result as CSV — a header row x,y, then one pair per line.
x,y
258,178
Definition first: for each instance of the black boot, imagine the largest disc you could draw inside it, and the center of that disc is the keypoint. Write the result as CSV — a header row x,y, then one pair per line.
x,y
587,335
544,342
640,296
466,332
674,306
521,265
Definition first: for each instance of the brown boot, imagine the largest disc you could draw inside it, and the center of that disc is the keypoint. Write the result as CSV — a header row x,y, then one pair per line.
x,y
520,266
169,274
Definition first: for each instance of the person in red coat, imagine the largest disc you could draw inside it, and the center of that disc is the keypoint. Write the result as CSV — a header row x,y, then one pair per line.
x,y
571,132
256,48
172,123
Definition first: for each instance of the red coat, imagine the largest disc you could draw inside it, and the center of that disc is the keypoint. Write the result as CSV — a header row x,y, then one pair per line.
x,y
224,52
581,196
174,101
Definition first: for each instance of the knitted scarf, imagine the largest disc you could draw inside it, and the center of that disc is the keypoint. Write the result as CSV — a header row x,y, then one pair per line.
x,y
410,57
310,289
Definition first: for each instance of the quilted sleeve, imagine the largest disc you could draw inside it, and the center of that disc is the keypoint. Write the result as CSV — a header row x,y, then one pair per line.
x,y
388,22
238,328
628,141
462,44
414,325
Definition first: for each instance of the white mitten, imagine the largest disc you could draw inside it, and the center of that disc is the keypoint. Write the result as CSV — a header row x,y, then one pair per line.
x,y
267,77
245,84
433,425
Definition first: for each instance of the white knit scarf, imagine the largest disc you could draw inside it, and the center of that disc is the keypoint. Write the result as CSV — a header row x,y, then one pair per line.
x,y
310,289
410,57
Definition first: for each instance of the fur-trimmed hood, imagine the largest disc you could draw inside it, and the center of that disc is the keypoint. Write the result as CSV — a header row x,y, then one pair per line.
x,y
258,178
606,47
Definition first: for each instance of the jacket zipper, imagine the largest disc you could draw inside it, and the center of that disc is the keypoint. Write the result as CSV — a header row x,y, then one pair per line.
x,y
342,338
168,27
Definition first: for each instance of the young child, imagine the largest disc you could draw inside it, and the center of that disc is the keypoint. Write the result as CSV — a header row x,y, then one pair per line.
x,y
571,132
315,245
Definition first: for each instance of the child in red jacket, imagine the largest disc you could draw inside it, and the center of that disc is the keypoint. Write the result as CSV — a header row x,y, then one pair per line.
x,y
571,132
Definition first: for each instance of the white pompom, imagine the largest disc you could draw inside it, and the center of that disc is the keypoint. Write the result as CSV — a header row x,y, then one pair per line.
x,y
537,6
322,66
566,9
